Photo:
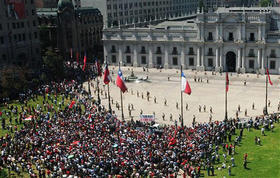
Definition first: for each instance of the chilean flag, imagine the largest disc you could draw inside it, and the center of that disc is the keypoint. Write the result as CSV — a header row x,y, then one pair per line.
x,y
107,77
185,85
267,72
120,82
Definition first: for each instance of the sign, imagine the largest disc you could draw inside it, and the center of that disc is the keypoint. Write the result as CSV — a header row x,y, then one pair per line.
x,y
147,118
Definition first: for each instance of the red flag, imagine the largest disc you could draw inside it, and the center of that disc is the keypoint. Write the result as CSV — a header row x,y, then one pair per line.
x,y
85,62
188,89
97,65
107,77
267,72
72,104
120,82
227,82
71,53
77,57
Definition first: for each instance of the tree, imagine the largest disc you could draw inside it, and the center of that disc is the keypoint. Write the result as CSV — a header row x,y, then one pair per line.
x,y
54,63
13,80
264,3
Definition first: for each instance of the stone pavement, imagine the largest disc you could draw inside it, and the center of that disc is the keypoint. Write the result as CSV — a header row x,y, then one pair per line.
x,y
210,94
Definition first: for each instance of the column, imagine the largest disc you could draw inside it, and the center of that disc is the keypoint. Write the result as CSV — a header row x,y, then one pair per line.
x,y
217,57
243,58
135,60
259,58
166,65
239,59
151,56
202,57
259,33
217,31
183,57
198,57
263,58
120,54
221,57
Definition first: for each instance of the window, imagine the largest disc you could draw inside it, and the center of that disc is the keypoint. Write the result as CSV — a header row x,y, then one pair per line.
x,y
191,61
127,49
158,50
251,53
230,36
272,53
174,51
1,40
143,60
159,61
175,61
128,59
251,64
210,52
252,37
191,52
113,50
210,36
143,50
114,59
210,62
273,65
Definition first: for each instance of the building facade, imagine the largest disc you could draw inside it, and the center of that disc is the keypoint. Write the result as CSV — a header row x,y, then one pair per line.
x,y
230,39
125,12
68,28
19,35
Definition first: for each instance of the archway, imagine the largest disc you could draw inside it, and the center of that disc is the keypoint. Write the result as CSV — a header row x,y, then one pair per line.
x,y
230,62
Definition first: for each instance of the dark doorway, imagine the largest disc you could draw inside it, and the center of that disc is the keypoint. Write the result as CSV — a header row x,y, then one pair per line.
x,y
230,62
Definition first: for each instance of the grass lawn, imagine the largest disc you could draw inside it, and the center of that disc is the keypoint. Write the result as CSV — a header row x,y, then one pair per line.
x,y
263,161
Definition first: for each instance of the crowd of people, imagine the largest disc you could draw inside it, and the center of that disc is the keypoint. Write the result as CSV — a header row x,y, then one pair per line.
x,y
69,134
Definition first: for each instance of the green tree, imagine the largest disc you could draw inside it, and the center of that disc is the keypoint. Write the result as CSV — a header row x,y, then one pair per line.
x,y
54,62
264,3
13,80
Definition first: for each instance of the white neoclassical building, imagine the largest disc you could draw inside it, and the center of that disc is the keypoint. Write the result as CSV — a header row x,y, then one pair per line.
x,y
230,39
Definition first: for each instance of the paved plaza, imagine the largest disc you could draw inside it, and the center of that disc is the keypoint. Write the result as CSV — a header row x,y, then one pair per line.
x,y
211,94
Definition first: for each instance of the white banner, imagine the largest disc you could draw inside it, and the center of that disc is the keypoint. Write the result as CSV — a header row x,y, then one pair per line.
x,y
147,118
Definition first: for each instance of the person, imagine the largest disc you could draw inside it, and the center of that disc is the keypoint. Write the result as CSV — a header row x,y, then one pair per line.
x,y
137,93
171,117
163,116
141,112
268,103
253,106
245,164
238,108
211,110
232,161
204,108
165,102
259,141
245,112
256,140
229,170
187,106
245,156
245,83
199,108
262,131
155,99
177,105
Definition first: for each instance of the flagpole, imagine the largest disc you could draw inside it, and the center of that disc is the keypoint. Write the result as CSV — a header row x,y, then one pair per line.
x,y
121,96
226,114
98,91
266,85
110,109
182,120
